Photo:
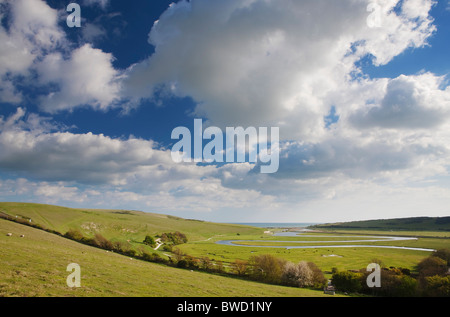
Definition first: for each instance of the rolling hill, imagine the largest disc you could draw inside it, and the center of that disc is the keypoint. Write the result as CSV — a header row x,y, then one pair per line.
x,y
118,225
409,224
35,266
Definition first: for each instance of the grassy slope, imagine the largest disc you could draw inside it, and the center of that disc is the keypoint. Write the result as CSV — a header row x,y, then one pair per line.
x,y
134,225
408,224
121,225
36,266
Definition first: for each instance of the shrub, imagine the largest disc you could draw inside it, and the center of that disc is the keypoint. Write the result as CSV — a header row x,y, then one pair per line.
x,y
443,254
182,264
431,266
149,241
305,275
174,237
318,278
206,264
267,268
347,281
219,267
120,247
437,286
167,248
290,274
239,267
74,234
101,242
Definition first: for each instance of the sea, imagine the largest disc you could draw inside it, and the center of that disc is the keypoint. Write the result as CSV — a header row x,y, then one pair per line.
x,y
276,224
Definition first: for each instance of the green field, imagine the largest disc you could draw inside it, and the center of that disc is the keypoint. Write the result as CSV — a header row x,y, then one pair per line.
x,y
36,264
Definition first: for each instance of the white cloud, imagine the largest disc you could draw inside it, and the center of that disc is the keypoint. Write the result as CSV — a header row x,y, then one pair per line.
x,y
33,29
249,63
34,44
37,22
408,102
86,78
261,63
29,147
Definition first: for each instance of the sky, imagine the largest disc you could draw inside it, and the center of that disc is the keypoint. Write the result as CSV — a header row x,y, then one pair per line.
x,y
359,90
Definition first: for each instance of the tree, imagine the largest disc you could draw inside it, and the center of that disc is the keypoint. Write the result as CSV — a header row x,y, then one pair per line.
x,y
431,266
239,267
437,286
149,241
101,242
206,264
305,274
178,254
174,237
267,268
443,254
219,267
347,281
290,274
74,234
318,278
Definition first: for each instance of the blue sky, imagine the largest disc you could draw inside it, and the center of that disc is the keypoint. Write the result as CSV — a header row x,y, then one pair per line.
x,y
363,112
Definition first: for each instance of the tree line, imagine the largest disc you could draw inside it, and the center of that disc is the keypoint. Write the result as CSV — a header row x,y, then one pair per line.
x,y
432,279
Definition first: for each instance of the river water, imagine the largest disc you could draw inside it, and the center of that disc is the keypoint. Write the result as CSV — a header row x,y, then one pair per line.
x,y
297,234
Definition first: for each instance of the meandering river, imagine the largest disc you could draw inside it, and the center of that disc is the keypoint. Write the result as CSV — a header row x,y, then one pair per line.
x,y
300,235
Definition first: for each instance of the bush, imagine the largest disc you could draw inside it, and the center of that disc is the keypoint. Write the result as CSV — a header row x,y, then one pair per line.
x,y
120,247
396,284
101,242
149,241
206,264
74,234
431,266
347,281
305,274
239,267
182,264
266,268
219,267
178,254
290,274
443,254
318,278
167,248
174,237
437,286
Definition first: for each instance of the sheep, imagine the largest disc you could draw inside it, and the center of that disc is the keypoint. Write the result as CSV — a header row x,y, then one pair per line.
x,y
9,234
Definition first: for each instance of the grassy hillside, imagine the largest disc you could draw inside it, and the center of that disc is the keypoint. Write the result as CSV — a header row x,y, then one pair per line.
x,y
120,225
35,265
409,224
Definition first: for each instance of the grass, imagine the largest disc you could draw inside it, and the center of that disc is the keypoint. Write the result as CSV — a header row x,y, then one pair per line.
x,y
126,226
410,224
35,265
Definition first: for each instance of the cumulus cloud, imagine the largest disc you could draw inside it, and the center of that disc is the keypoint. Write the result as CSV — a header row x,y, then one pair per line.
x,y
32,30
31,148
52,166
256,63
245,63
34,45
408,102
86,78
